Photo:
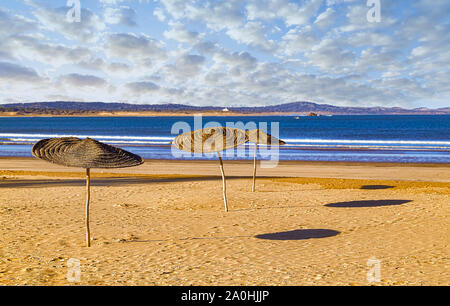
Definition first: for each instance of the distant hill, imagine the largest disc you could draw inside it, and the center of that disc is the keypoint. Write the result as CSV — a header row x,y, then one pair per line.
x,y
300,108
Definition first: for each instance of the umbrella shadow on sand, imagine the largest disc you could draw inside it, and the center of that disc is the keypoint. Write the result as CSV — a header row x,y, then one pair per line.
x,y
300,234
368,203
376,187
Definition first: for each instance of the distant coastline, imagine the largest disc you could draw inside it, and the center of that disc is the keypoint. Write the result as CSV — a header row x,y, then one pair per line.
x,y
142,114
100,109
185,114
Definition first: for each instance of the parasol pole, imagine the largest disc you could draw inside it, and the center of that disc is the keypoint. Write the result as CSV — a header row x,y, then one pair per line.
x,y
223,183
88,197
254,168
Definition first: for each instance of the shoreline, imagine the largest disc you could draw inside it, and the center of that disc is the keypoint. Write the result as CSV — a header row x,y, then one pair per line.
x,y
284,162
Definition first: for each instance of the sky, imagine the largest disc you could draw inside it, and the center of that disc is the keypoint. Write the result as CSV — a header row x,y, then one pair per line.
x,y
227,53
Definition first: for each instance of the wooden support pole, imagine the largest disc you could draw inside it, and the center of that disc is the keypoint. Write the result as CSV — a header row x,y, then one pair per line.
x,y
254,168
223,183
88,198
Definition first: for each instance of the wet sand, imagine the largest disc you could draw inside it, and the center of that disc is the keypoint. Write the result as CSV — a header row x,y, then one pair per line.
x,y
163,223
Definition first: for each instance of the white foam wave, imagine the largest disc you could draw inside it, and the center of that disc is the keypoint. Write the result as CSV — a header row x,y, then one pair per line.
x,y
290,141
108,137
362,141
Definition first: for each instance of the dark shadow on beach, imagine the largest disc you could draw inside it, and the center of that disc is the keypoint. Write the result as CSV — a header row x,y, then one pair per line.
x,y
299,234
368,203
375,187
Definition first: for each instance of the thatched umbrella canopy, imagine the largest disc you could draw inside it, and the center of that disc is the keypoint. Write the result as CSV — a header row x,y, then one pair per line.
x,y
84,153
208,140
259,137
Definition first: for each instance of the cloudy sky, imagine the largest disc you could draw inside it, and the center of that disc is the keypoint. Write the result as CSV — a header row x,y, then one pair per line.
x,y
228,53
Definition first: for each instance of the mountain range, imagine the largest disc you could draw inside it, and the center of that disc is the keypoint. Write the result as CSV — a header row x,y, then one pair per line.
x,y
300,108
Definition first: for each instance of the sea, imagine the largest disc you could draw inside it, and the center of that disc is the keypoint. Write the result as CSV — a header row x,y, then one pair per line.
x,y
378,138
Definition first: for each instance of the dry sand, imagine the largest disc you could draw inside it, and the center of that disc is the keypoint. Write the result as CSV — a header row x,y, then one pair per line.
x,y
153,226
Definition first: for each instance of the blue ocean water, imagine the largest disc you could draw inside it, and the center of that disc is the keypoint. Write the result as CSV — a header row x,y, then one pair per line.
x,y
406,139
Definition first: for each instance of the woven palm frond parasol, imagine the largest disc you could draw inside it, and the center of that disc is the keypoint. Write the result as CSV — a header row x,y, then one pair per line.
x,y
210,140
84,153
259,137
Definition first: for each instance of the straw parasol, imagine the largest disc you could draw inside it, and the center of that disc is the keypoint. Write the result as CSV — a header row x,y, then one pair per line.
x,y
259,137
209,140
84,153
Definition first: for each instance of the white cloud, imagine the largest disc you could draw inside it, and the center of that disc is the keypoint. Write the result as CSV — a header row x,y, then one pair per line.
x,y
138,49
98,64
158,12
36,48
330,57
252,34
80,80
184,70
179,33
123,15
217,15
290,12
298,40
142,87
54,19
326,18
243,60
10,72
15,24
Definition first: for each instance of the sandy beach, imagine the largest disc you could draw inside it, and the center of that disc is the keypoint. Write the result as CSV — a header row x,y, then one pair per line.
x,y
163,223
